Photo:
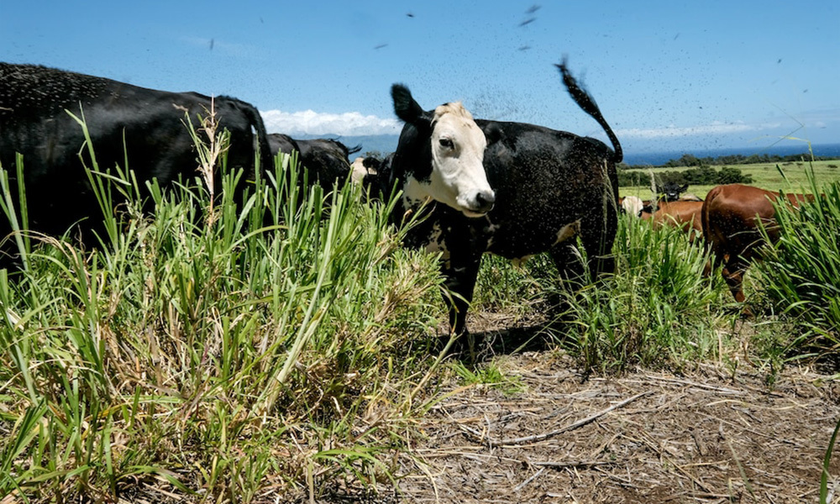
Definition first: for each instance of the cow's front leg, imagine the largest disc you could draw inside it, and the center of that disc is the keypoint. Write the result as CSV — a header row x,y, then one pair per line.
x,y
460,273
460,263
449,234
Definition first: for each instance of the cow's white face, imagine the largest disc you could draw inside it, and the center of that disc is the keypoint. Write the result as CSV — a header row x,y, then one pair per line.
x,y
632,205
454,174
358,170
458,178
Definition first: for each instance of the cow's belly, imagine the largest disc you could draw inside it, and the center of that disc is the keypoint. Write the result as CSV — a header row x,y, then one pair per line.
x,y
520,243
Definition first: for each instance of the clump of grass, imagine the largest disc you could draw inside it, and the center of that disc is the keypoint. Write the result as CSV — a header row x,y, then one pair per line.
x,y
488,375
502,285
231,358
657,310
17,216
800,274
824,492
211,150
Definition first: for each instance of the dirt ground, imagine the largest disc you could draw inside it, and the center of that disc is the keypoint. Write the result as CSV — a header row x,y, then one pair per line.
x,y
702,437
705,436
643,437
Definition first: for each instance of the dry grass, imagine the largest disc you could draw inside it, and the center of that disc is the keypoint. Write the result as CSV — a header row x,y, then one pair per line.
x,y
643,437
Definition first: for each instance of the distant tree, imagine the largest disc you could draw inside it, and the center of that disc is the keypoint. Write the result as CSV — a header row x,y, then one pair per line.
x,y
729,175
675,177
702,175
684,160
633,178
689,160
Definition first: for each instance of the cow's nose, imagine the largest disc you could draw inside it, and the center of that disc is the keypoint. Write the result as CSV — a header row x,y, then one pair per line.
x,y
485,201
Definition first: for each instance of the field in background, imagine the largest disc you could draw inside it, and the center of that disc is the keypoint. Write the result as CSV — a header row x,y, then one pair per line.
x,y
765,175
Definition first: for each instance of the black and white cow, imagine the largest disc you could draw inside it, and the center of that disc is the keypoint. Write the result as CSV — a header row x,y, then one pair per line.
x,y
509,188
374,175
131,125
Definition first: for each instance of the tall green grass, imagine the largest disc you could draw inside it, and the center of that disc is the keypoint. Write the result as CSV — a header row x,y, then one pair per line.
x,y
210,348
656,310
503,286
249,347
801,273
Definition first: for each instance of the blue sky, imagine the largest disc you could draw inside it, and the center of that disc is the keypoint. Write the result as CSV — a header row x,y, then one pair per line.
x,y
668,75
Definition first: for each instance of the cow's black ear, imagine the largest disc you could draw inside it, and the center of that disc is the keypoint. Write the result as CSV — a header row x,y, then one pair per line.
x,y
405,106
493,132
684,188
371,163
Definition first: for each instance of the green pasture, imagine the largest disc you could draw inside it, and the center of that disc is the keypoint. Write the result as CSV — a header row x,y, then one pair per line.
x,y
787,176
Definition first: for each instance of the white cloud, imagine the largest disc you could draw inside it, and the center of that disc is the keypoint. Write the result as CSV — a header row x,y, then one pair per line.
x,y
309,122
715,128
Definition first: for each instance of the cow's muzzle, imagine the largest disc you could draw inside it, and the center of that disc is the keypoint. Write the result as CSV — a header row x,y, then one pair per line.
x,y
481,204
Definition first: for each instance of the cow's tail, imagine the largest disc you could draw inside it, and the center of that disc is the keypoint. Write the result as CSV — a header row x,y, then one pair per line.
x,y
255,119
587,103
710,242
704,213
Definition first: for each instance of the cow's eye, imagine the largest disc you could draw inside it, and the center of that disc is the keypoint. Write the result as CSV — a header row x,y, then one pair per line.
x,y
446,143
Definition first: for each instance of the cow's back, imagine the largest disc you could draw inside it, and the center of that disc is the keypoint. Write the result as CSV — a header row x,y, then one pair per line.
x,y
327,160
130,126
682,214
546,180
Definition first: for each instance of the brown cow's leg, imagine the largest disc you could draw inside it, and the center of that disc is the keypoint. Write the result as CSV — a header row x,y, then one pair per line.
x,y
733,273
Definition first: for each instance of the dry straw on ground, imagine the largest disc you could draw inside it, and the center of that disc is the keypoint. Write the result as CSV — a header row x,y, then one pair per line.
x,y
643,437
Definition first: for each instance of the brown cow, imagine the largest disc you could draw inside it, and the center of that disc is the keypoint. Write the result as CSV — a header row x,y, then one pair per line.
x,y
730,217
682,214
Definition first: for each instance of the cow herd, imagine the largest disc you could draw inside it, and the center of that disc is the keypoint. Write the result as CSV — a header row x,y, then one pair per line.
x,y
128,126
513,189
728,221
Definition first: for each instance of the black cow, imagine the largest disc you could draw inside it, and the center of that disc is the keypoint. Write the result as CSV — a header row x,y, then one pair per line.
x,y
326,160
279,142
143,126
670,191
531,190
